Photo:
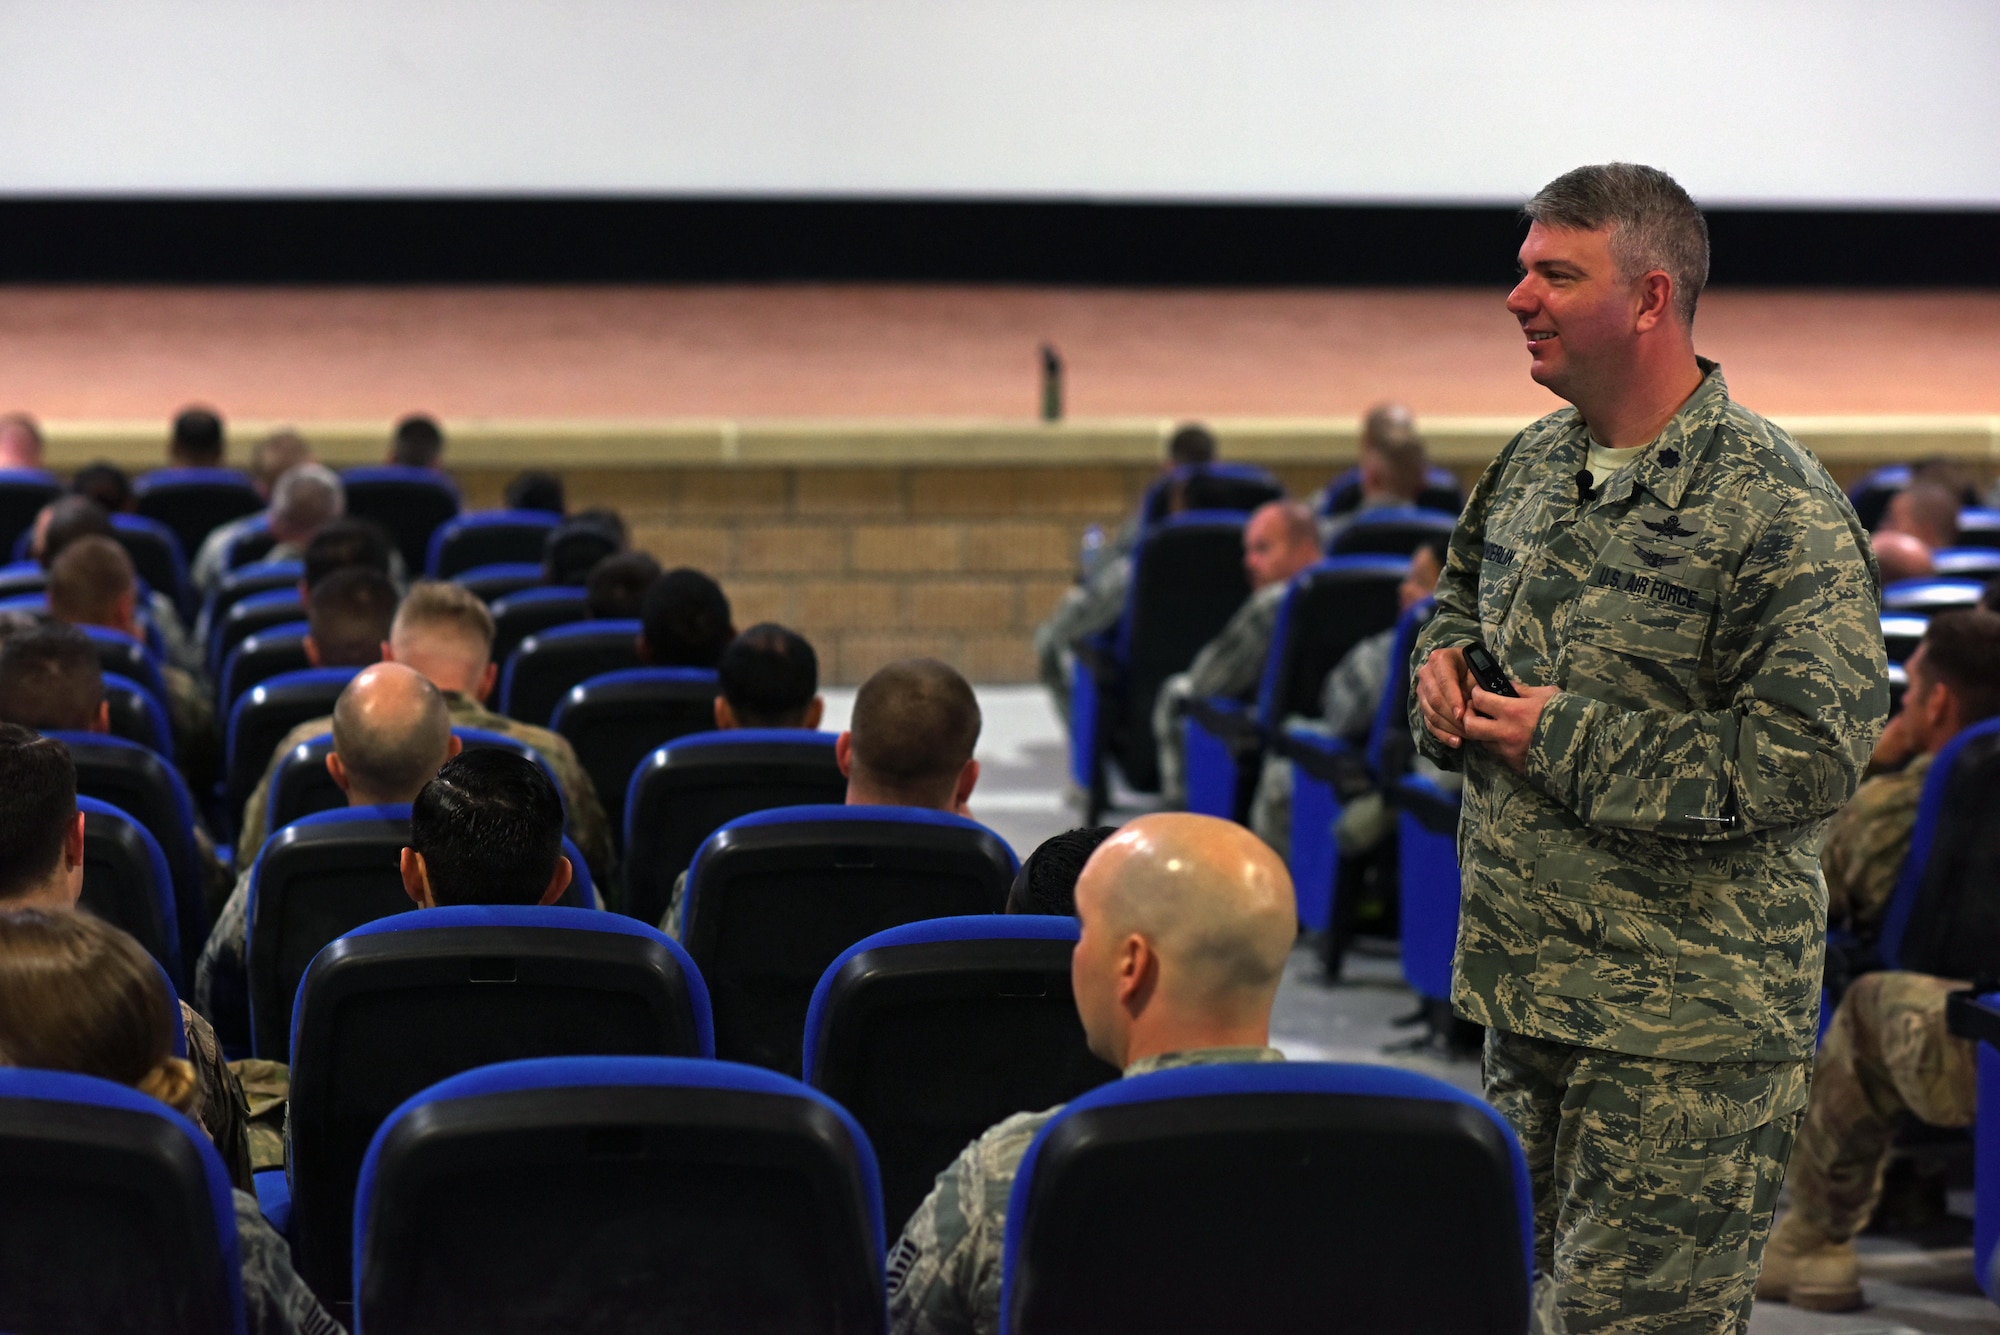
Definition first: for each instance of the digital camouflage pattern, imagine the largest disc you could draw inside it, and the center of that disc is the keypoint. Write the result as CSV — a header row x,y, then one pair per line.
x,y
944,1271
275,1300
1865,845
1651,884
1654,1180
1229,665
1348,701
1087,608
1887,1053
219,1107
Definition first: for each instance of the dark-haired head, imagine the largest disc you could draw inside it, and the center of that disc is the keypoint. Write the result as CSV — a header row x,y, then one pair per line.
x,y
616,589
535,490
1046,882
770,679
487,830
1191,443
105,483
41,836
1954,676
344,543
50,681
348,616
684,621
574,547
197,438
63,521
418,442
911,738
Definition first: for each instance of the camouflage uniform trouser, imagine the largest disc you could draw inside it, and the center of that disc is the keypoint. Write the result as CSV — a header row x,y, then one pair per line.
x,y
1654,1180
1084,611
1886,1053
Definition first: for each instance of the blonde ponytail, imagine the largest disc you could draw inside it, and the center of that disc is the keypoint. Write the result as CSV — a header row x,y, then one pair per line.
x,y
172,1083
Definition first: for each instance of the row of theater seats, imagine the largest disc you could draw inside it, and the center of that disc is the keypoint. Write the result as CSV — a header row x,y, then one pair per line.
x,y
618,1167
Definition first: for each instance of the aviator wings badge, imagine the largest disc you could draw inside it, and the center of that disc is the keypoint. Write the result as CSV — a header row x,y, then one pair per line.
x,y
1655,560
1670,527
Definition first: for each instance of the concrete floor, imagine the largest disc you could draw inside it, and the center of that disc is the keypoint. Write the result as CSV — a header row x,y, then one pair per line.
x,y
1915,1286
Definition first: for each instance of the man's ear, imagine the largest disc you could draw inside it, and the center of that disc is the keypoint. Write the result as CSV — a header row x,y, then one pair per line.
x,y
453,747
338,772
486,680
558,880
814,713
1138,972
725,717
1656,295
416,878
968,778
312,652
73,843
102,723
843,754
388,653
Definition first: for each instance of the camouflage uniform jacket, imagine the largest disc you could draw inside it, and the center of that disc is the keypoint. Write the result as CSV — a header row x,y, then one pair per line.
x,y
587,823
944,1273
1353,690
1232,663
1651,884
275,1300
1866,843
219,1107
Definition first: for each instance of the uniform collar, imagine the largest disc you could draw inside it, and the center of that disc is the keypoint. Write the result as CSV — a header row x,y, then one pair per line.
x,y
1167,1061
1665,467
465,709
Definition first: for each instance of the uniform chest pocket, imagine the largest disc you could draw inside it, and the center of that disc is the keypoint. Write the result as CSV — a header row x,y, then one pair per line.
x,y
1637,634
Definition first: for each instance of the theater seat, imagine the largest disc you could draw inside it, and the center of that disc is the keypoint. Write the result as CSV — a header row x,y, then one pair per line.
x,y
126,883
1274,1197
653,1193
240,583
156,556
302,785
251,544
490,583
692,787
23,493
485,537
409,503
1902,632
1939,919
1931,594
1441,492
138,715
1978,527
1967,562
118,1213
404,1002
540,673
774,898
20,579
1225,486
191,502
1976,1018
247,616
614,720
1393,531
262,655
260,718
119,653
1429,889
525,612
318,879
145,787
931,1032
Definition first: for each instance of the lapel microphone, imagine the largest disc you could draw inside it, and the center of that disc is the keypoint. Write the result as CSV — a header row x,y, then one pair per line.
x,y
1583,487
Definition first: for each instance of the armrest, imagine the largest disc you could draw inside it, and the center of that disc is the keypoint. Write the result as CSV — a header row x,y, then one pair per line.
x,y
1974,1014
1334,761
1433,807
1228,721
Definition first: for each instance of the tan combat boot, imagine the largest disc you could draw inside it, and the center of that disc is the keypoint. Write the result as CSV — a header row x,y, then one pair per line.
x,y
1805,1268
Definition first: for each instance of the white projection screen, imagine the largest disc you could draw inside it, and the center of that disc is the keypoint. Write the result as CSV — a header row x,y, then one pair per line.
x,y
1749,102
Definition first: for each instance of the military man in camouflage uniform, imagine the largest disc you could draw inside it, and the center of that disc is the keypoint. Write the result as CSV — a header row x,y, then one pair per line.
x,y
1186,923
1687,608
1280,540
1888,1051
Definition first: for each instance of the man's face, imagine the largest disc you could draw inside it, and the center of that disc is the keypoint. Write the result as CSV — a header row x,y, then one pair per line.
x,y
1269,554
1421,581
1575,308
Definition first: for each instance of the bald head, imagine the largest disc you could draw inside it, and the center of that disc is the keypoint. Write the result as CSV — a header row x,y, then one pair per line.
x,y
1187,921
1280,540
391,732
1925,511
1901,556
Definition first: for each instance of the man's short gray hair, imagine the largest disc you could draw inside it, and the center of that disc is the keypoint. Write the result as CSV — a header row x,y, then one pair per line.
x,y
1654,224
306,500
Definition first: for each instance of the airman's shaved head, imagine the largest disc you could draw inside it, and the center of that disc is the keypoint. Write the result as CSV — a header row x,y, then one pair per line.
x,y
1213,907
391,732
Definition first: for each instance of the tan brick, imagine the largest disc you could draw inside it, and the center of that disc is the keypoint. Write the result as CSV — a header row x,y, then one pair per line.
x,y
1093,491
755,600
839,605
936,492
1012,547
848,491
963,604
917,548
860,653
805,548
1039,598
702,546
1303,480
993,660
720,492
626,490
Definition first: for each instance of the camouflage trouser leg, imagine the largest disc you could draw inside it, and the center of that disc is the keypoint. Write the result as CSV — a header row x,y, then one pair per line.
x,y
1886,1053
1271,806
1654,1180
1167,725
1083,611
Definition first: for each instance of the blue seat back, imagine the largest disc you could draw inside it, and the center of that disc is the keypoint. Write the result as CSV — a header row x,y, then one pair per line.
x,y
525,612
1390,747
403,1002
1871,493
192,502
250,543
1931,594
773,898
156,555
1280,1197
23,493
120,653
138,715
1978,527
410,503
1441,491
1939,919
1901,633
1394,530
1223,486
126,883
1429,887
485,537
119,1214
250,614
687,790
1967,562
695,1196
20,579
494,582
260,718
302,785
614,720
931,1032
242,581
1329,608
541,672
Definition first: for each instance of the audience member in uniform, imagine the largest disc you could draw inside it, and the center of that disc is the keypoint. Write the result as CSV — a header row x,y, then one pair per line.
x,y
535,490
78,995
909,743
418,442
616,589
1280,540
579,545
270,459
196,441
487,830
1901,556
304,501
1927,511
349,542
105,483
63,522
1046,882
391,731
1393,466
1186,923
444,631
684,621
20,441
348,618
770,679
41,867
50,681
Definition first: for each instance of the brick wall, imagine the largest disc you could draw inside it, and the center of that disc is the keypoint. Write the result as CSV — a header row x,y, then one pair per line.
x,y
873,564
